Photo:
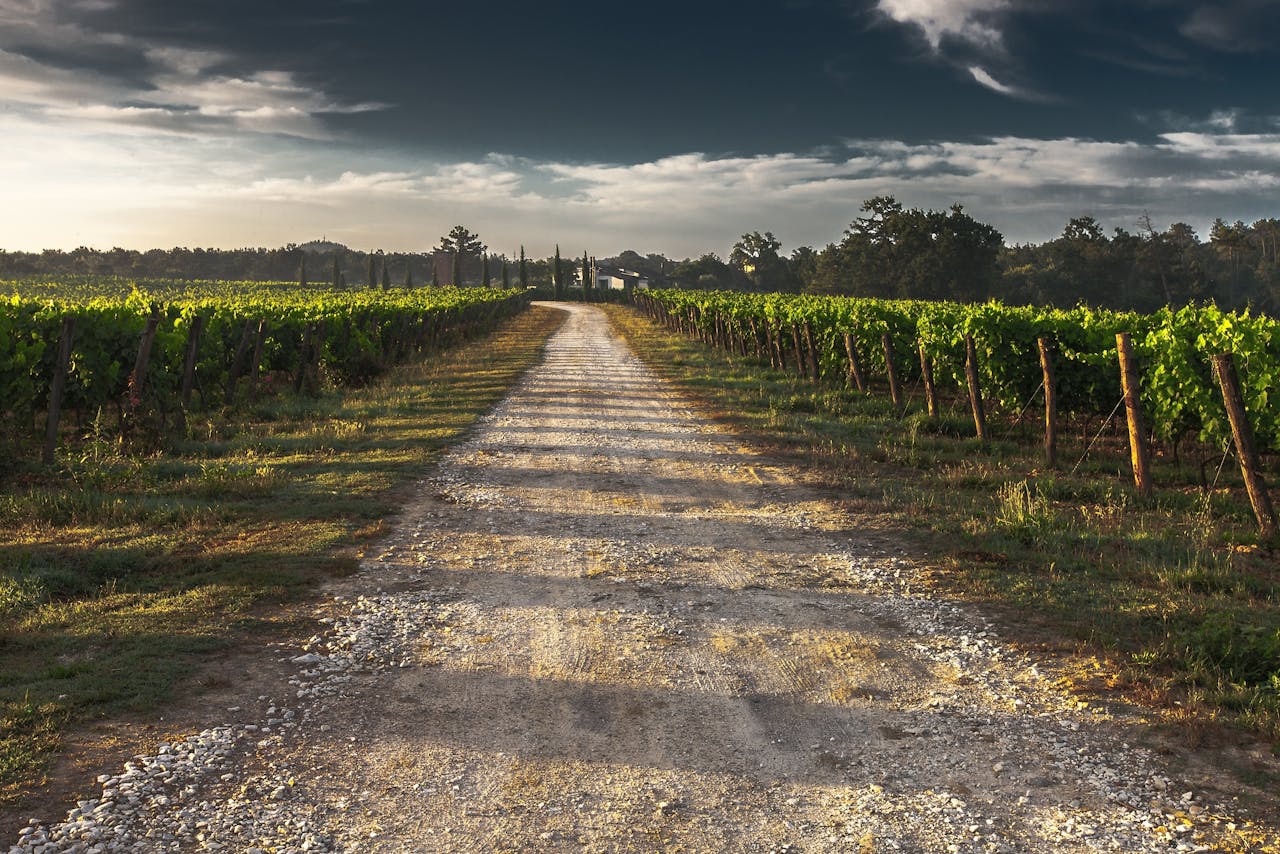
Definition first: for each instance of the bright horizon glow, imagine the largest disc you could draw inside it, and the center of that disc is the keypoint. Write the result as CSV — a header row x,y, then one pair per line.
x,y
146,192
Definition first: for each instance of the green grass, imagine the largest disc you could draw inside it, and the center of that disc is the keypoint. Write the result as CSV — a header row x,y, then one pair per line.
x,y
1171,600
120,572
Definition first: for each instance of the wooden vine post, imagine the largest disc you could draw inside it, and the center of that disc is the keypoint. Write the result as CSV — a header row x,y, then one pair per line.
x,y
258,342
895,391
855,366
59,388
138,379
930,390
237,360
189,369
1050,403
1224,365
1133,411
304,356
975,389
799,351
813,351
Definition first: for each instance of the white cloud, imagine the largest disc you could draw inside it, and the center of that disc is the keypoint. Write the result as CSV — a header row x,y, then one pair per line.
x,y
1225,146
982,76
346,189
28,82
184,60
965,20
176,91
956,30
43,24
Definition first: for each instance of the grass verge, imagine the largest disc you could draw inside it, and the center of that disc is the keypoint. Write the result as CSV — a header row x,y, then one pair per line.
x,y
119,573
1171,602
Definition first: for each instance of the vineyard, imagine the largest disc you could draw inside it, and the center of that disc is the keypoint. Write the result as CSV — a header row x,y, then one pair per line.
x,y
157,353
995,351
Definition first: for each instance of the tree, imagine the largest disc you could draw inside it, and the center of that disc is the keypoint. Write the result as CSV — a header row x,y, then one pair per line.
x,y
1268,234
463,246
1230,241
386,275
1080,263
1266,274
524,270
484,270
408,273
460,240
756,255
558,280
506,274
373,271
586,279
302,271
803,265
894,252
706,273
337,271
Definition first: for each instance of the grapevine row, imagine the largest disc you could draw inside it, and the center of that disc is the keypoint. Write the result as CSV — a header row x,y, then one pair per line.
x,y
1178,389
216,337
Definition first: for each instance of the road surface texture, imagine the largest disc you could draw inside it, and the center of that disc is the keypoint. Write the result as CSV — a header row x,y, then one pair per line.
x,y
604,624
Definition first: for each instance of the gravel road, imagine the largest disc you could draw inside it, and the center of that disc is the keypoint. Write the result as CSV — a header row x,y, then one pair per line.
x,y
604,624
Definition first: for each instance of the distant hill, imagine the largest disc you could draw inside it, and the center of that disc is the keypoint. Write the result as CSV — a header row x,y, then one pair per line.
x,y
323,247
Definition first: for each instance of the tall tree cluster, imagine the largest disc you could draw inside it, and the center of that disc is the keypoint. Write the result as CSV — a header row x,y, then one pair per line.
x,y
905,253
466,254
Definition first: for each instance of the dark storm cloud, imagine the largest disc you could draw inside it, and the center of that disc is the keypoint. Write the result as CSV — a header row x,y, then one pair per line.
x,y
577,79
1022,47
1242,26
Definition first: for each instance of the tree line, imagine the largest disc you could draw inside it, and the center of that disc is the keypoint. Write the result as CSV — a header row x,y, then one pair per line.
x,y
461,258
887,251
893,252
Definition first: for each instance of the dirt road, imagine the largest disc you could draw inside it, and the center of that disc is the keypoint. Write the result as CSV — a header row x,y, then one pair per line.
x,y
606,625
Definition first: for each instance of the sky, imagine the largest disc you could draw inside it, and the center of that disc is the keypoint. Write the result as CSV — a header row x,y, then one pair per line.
x,y
656,126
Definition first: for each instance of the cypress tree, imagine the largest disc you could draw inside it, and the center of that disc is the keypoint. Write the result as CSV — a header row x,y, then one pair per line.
x,y
302,271
524,271
386,276
435,271
558,280
484,271
337,271
373,271
408,272
506,274
457,269
586,279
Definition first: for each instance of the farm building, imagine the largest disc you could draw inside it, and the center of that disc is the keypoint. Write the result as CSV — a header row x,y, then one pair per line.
x,y
617,279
